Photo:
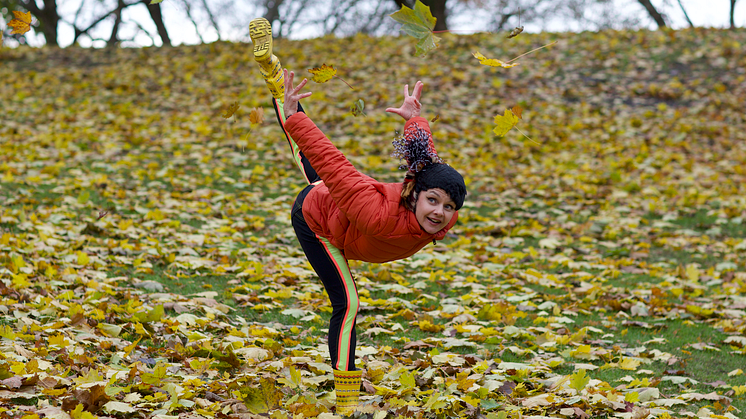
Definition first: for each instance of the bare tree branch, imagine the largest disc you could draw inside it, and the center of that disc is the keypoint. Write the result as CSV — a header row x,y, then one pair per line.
x,y
691,25
653,12
78,32
191,18
212,19
139,26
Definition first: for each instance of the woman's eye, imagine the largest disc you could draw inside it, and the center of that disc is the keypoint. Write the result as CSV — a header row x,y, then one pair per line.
x,y
431,200
449,207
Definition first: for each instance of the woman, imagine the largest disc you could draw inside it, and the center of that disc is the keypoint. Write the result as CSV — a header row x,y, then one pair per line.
x,y
344,215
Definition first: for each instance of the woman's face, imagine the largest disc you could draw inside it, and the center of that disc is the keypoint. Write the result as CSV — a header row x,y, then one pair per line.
x,y
434,209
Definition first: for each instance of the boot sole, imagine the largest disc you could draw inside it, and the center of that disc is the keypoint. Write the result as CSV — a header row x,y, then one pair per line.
x,y
260,32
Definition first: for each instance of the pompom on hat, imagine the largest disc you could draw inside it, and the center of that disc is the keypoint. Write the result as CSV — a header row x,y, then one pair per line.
x,y
416,147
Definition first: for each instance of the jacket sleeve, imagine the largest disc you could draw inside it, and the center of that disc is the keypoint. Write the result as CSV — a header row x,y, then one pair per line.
x,y
358,196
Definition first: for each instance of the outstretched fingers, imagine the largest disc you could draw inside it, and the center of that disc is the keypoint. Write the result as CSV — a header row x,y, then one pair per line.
x,y
417,93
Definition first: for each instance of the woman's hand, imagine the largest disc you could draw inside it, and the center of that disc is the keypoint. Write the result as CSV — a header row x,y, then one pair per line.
x,y
292,95
412,106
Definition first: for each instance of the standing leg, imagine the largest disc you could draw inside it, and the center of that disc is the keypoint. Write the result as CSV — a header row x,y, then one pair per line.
x,y
331,266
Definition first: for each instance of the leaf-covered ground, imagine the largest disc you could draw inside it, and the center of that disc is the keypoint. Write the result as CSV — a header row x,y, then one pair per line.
x,y
148,268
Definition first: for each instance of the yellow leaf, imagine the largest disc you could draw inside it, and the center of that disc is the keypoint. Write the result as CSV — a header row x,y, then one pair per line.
x,y
629,364
407,380
110,329
59,340
293,378
432,402
7,333
153,315
231,109
261,398
505,123
53,392
21,23
18,262
83,197
632,397
79,413
323,74
692,273
83,258
492,62
579,380
427,326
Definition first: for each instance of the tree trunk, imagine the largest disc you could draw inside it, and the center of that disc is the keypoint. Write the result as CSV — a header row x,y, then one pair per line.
x,y
157,16
657,17
732,14
273,10
437,9
112,42
48,19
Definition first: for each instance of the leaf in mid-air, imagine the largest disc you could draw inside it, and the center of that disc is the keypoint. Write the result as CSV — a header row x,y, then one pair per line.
x,y
21,23
517,111
323,74
505,122
155,1
491,61
419,23
515,32
358,107
232,108
256,116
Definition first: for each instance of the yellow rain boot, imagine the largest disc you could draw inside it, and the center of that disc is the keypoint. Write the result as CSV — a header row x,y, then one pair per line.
x,y
347,386
260,31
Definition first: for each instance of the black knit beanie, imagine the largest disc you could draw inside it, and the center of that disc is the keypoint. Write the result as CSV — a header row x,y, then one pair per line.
x,y
443,176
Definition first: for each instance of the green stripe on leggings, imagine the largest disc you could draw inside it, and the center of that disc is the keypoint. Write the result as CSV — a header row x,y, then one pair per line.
x,y
353,303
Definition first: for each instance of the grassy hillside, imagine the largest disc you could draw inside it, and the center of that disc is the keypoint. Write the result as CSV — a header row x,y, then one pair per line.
x,y
147,264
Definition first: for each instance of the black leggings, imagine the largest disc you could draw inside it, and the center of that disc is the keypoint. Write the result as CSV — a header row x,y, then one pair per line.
x,y
329,263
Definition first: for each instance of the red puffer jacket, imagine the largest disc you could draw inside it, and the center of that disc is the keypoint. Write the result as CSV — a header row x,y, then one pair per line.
x,y
360,216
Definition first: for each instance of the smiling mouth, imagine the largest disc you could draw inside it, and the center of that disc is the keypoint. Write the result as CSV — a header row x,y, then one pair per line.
x,y
433,221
